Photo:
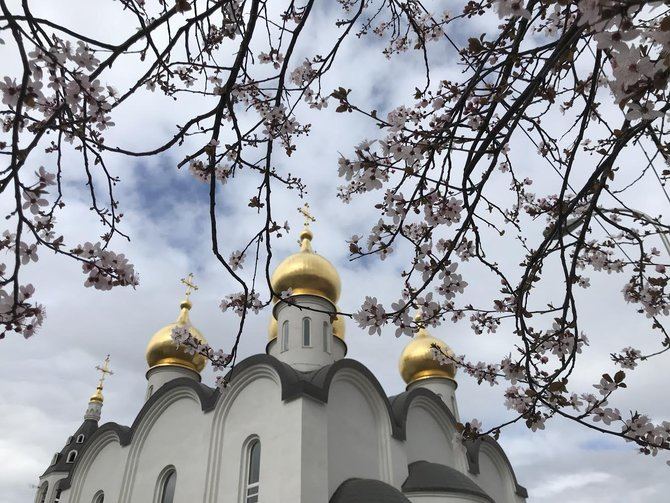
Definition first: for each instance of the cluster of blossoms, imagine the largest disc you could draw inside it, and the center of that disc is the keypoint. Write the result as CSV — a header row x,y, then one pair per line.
x,y
240,302
105,268
19,315
181,335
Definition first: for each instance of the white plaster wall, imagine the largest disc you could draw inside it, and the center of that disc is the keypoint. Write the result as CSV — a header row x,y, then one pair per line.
x,y
442,387
494,476
430,436
101,468
253,406
174,432
358,435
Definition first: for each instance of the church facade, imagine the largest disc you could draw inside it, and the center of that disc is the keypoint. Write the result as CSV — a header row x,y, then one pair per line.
x,y
298,424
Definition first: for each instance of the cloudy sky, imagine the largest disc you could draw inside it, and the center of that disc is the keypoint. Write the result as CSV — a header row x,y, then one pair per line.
x,y
45,382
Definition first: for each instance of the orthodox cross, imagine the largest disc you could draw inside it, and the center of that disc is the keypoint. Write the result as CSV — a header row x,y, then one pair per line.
x,y
104,371
305,213
190,285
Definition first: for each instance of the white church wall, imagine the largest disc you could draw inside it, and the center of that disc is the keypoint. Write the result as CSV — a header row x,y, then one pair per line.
x,y
99,469
314,452
495,477
399,465
430,435
359,431
252,406
173,432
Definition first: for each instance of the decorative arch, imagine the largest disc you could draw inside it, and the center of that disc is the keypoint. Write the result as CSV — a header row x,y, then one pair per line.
x,y
99,497
383,423
489,446
443,453
244,375
165,485
249,486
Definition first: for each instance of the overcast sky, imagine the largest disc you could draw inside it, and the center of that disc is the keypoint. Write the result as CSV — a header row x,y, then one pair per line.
x,y
45,382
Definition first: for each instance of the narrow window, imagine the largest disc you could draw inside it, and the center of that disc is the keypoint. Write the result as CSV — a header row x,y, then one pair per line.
x,y
71,456
57,496
306,338
253,471
326,337
284,336
80,439
169,484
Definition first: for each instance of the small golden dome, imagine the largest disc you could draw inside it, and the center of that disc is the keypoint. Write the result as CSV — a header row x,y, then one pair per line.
x,y
97,396
417,362
163,351
307,273
339,328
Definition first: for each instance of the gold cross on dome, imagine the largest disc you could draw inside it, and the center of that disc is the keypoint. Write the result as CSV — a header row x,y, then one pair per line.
x,y
190,285
104,371
305,213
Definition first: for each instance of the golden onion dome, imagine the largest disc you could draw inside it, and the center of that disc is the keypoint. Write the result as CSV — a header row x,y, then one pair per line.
x,y
417,361
339,328
163,351
97,396
307,273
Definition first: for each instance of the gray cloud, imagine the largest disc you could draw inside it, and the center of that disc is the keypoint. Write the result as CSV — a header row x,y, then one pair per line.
x,y
46,381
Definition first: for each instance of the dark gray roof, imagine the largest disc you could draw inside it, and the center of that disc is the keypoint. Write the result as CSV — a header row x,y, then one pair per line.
x,y
316,385
87,429
425,476
367,491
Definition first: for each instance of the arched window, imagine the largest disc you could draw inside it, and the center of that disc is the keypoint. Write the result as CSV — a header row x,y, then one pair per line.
x,y
99,497
55,458
326,337
43,493
252,475
80,439
71,456
284,336
306,336
167,487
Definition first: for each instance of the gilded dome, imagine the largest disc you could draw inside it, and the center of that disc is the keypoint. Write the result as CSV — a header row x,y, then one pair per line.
x,y
307,273
163,351
417,362
339,328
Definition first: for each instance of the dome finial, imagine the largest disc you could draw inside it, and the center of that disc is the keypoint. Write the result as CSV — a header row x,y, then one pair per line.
x,y
306,234
104,372
190,287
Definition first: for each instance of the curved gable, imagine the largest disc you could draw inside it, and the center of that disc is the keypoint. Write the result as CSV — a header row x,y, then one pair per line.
x,y
484,456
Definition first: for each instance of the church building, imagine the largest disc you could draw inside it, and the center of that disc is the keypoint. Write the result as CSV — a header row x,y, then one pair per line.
x,y
299,423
